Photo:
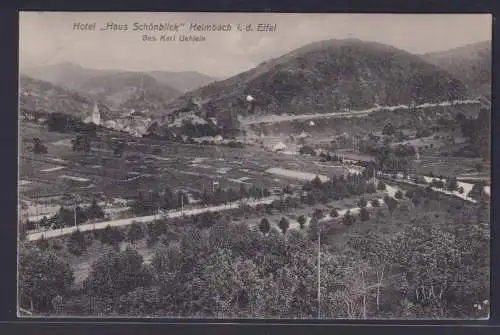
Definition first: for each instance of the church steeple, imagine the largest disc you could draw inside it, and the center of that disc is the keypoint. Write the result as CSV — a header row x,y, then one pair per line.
x,y
96,115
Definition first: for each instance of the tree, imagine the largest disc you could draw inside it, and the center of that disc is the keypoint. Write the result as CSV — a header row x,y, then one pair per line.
x,y
398,194
334,213
318,214
95,211
362,202
264,226
38,147
169,200
42,244
307,150
371,188
135,232
348,218
243,193
116,273
42,276
375,203
112,236
302,221
364,215
76,243
388,129
119,148
477,192
452,184
391,203
182,198
81,144
381,186
284,224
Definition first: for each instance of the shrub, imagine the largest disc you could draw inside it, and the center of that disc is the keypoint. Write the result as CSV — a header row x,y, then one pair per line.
x,y
264,226
284,224
112,236
135,232
76,243
362,202
371,188
398,194
375,203
348,218
42,244
364,215
302,221
381,186
334,213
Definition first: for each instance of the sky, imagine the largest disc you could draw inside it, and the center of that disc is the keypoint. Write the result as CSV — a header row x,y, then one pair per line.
x,y
48,38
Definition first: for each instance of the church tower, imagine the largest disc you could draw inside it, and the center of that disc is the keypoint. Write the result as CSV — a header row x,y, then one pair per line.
x,y
96,115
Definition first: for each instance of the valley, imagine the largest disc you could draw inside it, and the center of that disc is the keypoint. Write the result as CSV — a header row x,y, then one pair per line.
x,y
342,173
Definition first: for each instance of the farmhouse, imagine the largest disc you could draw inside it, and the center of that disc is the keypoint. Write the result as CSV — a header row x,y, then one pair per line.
x,y
280,146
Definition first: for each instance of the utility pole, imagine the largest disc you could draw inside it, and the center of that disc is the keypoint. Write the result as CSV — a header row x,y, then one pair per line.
x,y
74,213
319,269
182,204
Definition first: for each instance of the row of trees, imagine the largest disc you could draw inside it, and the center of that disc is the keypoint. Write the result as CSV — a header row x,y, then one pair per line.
x,y
64,123
428,270
150,202
66,217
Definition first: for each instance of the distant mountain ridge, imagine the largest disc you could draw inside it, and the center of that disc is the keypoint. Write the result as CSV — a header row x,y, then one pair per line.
x,y
325,76
470,63
129,90
74,76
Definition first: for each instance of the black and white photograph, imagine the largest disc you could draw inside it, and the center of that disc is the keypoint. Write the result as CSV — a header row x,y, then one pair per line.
x,y
254,166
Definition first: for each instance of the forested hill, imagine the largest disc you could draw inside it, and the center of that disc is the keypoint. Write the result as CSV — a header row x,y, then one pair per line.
x,y
130,90
328,76
40,96
470,63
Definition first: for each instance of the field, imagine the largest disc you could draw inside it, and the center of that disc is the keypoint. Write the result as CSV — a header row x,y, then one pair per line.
x,y
70,176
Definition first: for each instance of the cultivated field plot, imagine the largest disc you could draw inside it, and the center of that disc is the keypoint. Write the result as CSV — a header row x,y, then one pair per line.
x,y
447,166
177,166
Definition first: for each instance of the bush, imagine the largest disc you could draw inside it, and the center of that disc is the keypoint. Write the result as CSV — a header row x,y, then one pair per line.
x,y
334,213
381,186
375,203
364,215
112,236
452,184
135,232
371,188
284,224
398,194
264,226
348,218
42,244
302,221
419,180
76,243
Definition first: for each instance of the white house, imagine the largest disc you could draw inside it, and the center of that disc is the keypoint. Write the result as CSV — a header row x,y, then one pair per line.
x,y
303,134
280,146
